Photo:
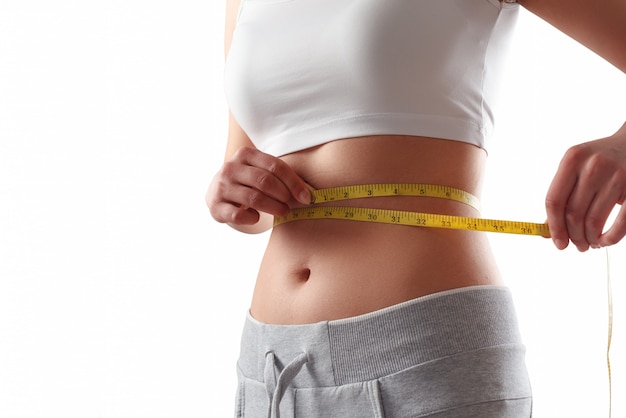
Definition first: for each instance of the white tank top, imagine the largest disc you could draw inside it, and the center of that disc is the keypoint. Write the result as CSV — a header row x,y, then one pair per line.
x,y
301,73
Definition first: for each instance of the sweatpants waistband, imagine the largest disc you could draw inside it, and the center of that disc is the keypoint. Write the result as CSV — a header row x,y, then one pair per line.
x,y
384,342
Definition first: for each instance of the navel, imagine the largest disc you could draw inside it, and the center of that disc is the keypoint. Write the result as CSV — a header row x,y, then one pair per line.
x,y
302,275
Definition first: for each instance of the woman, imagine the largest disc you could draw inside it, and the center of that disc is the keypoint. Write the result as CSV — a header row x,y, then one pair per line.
x,y
354,319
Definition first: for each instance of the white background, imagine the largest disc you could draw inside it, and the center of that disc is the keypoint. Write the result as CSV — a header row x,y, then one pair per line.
x,y
120,297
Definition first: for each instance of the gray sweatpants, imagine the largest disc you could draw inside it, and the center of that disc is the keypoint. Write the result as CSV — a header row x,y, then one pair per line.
x,y
452,354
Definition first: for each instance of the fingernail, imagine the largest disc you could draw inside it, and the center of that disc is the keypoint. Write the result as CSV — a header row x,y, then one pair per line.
x,y
305,197
560,244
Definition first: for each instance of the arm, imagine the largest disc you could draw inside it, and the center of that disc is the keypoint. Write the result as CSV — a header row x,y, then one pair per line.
x,y
600,25
591,178
251,187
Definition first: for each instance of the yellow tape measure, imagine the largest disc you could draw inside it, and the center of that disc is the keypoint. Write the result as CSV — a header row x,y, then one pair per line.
x,y
407,189
403,217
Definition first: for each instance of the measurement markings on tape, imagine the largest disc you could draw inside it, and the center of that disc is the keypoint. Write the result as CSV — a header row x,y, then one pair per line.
x,y
415,219
363,191
397,217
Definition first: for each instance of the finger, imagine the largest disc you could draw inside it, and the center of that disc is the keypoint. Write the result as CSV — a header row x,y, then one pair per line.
x,y
228,213
576,213
253,178
616,232
297,187
556,202
598,213
226,198
247,197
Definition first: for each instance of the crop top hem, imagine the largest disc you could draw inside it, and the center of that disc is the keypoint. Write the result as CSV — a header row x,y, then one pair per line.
x,y
353,126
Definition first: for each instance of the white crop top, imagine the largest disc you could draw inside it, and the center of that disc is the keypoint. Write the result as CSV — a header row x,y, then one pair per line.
x,y
301,73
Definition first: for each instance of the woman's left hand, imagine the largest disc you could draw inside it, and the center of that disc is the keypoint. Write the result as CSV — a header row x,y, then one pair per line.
x,y
589,182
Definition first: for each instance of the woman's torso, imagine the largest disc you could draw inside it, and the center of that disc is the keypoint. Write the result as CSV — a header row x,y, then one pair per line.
x,y
302,73
317,270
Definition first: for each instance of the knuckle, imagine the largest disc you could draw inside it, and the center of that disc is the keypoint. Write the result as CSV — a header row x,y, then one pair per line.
x,y
573,216
594,223
274,167
238,217
552,203
218,191
263,180
242,153
228,169
575,154
254,198
597,164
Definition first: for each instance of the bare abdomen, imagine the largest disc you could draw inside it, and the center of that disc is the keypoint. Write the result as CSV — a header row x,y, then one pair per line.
x,y
327,269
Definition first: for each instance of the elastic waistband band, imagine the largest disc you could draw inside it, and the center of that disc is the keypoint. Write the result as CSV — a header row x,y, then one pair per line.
x,y
384,342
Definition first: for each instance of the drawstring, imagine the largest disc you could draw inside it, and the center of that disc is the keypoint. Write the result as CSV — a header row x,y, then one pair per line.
x,y
276,387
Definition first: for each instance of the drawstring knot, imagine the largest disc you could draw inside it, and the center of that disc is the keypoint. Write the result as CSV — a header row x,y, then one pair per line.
x,y
276,386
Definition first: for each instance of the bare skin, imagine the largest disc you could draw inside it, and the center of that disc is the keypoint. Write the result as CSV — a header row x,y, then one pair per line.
x,y
328,269
320,269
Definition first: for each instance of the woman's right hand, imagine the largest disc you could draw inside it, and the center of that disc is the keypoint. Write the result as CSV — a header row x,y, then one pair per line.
x,y
251,183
